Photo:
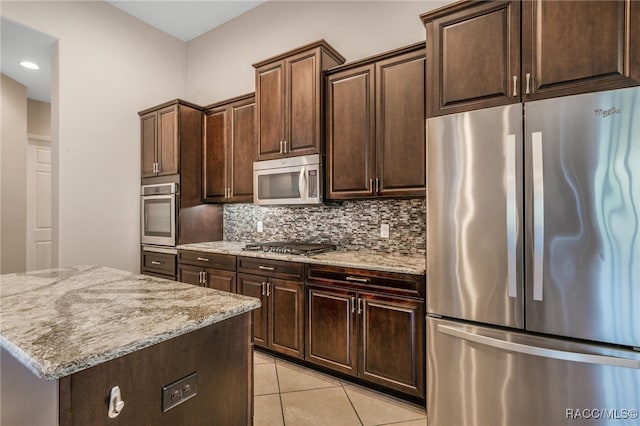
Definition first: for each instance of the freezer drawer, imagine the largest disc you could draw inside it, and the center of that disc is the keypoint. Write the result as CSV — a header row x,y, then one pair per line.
x,y
479,376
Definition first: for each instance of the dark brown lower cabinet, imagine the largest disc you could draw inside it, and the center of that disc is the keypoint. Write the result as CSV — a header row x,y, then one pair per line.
x,y
278,324
356,328
158,264
212,270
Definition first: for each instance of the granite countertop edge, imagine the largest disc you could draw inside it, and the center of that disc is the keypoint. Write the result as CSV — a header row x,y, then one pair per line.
x,y
47,368
384,262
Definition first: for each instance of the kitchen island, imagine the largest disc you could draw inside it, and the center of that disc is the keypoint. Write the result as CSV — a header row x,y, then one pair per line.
x,y
70,336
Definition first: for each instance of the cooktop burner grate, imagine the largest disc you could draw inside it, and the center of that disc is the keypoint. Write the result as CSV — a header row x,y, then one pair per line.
x,y
303,249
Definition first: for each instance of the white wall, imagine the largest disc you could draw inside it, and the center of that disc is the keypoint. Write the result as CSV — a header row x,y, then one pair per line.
x,y
110,66
220,60
13,180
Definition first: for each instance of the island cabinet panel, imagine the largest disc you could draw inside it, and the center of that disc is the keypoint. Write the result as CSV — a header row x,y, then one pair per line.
x,y
219,354
279,286
375,126
289,101
486,54
212,270
228,150
369,325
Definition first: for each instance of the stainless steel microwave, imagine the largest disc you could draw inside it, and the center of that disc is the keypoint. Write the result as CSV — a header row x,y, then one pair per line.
x,y
158,214
288,181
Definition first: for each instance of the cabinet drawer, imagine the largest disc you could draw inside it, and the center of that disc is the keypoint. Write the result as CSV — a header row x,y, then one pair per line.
x,y
160,263
272,268
363,279
208,260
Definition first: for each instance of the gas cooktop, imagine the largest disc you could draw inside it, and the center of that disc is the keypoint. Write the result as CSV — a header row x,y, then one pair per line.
x,y
304,249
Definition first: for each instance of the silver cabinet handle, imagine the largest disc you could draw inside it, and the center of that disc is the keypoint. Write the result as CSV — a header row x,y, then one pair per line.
x,y
264,288
203,259
371,185
528,77
116,404
515,86
286,146
358,279
359,306
538,215
539,351
281,147
155,262
512,214
353,305
377,185
267,268
268,289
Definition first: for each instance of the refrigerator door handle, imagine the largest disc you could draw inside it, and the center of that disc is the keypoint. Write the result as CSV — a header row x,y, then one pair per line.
x,y
512,231
538,351
538,214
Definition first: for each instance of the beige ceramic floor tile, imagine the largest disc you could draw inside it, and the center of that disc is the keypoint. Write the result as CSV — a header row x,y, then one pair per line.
x,y
267,410
292,377
265,380
421,422
377,409
318,407
262,358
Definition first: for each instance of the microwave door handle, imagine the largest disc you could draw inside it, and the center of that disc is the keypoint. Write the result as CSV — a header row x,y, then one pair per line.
x,y
302,181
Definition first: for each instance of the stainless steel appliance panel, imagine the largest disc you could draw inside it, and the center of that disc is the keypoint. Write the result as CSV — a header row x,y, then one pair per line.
x,y
474,216
480,376
583,178
158,211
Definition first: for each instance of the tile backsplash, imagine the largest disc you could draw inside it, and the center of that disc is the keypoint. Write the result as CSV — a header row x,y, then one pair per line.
x,y
354,225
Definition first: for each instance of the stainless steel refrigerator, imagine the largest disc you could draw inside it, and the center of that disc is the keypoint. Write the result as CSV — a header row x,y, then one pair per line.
x,y
533,263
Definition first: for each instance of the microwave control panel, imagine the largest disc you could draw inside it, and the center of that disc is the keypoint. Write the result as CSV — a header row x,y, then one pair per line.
x,y
313,184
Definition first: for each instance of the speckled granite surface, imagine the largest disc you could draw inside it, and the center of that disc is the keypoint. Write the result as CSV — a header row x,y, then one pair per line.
x,y
61,321
403,264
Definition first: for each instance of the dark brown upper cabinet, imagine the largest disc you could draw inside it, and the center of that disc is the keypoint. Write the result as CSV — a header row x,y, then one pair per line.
x,y
289,103
171,135
571,47
485,54
375,126
228,150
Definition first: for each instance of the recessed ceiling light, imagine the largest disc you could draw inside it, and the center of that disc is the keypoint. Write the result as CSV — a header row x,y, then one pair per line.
x,y
30,65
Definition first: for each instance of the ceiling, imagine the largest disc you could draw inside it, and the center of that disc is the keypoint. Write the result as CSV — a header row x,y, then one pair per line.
x,y
183,19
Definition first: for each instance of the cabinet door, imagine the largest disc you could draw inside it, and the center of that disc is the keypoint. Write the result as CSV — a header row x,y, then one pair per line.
x,y
215,133
331,329
168,141
242,142
350,133
564,54
148,129
254,286
286,317
190,274
221,280
270,110
390,322
302,100
400,124
476,55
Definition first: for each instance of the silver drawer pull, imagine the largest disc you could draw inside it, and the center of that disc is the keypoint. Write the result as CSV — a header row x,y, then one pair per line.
x,y
358,279
203,259
155,262
267,268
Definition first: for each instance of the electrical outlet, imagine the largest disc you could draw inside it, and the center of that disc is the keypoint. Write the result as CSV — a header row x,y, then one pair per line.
x,y
260,228
384,230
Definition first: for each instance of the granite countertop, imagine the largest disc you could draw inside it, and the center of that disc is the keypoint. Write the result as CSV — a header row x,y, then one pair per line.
x,y
402,264
60,321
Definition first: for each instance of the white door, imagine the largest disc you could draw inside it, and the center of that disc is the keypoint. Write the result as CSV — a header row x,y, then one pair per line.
x,y
38,204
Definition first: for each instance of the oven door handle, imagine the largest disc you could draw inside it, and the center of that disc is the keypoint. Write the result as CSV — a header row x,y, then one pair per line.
x,y
302,183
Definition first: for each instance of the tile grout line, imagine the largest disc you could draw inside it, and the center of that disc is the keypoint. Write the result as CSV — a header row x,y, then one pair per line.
x,y
275,363
351,402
